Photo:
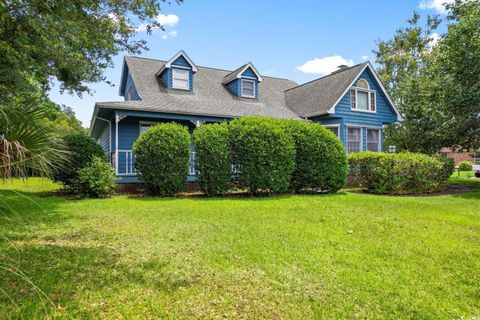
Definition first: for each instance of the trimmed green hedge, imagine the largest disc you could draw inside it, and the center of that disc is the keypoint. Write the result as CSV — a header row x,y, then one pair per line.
x,y
83,150
321,161
465,166
212,158
162,156
401,173
263,153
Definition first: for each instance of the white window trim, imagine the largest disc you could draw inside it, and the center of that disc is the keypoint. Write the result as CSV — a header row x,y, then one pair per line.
x,y
369,98
361,137
149,123
379,138
173,79
333,126
254,88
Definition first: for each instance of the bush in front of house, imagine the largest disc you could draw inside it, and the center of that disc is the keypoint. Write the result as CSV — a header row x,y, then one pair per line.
x,y
321,161
401,173
96,180
213,163
263,153
83,150
465,166
162,157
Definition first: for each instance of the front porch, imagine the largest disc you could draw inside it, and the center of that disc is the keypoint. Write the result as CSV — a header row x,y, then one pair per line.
x,y
117,131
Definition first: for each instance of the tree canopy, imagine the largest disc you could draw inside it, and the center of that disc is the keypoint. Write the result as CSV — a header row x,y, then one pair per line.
x,y
436,86
68,40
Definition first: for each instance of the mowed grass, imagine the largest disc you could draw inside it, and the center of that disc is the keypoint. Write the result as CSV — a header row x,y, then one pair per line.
x,y
342,256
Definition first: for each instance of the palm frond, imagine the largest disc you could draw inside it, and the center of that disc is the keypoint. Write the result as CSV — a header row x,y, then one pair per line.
x,y
27,146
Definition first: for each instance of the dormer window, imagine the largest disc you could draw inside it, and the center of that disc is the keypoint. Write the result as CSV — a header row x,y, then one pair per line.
x,y
362,98
181,79
248,88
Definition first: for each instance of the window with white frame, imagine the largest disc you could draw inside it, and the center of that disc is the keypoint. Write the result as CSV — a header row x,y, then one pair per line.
x,y
248,88
476,157
334,129
181,79
373,140
145,125
362,98
354,139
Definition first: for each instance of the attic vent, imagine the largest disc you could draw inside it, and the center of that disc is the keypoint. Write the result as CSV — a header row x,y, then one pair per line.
x,y
340,68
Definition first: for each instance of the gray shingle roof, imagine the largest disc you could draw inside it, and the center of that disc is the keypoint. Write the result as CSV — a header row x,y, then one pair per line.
x,y
318,96
209,97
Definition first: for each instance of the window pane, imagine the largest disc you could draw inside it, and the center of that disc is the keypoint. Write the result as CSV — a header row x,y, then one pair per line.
x,y
362,84
333,129
181,79
373,139
354,139
373,103
248,88
362,100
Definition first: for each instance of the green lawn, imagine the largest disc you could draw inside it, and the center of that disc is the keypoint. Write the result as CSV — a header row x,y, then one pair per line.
x,y
347,255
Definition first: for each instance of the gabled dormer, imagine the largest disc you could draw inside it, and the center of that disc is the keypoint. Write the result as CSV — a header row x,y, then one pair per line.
x,y
243,82
177,73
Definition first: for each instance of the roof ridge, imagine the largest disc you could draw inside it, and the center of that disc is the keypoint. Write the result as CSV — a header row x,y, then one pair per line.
x,y
328,75
204,67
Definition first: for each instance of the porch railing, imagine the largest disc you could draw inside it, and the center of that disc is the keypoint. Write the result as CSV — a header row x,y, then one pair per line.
x,y
126,163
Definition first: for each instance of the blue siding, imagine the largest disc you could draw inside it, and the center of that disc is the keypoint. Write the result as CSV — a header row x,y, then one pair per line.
x,y
344,116
104,141
182,62
385,113
234,87
249,73
166,77
130,87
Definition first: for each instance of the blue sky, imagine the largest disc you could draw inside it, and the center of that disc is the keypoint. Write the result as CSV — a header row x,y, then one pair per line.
x,y
298,40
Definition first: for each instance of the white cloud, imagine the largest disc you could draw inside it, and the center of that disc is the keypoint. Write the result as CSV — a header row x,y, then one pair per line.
x,y
168,20
365,58
170,34
434,39
324,65
437,5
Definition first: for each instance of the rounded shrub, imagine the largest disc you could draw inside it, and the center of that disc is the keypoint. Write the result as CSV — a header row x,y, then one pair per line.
x,y
465,166
213,163
321,161
263,154
401,173
96,180
83,150
162,158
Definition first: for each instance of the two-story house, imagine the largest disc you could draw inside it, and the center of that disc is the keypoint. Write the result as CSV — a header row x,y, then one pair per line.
x,y
351,102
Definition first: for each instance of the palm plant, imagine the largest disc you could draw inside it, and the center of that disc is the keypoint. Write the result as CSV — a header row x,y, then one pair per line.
x,y
27,145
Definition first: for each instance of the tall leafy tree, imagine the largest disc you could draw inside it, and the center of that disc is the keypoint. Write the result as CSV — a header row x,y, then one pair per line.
x,y
68,41
457,70
436,88
72,41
